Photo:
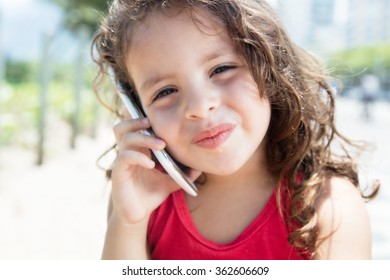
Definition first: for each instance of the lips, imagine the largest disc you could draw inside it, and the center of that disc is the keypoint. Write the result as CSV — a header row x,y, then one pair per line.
x,y
214,137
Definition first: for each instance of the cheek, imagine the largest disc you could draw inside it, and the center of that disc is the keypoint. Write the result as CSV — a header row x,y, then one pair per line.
x,y
255,111
245,95
163,124
245,86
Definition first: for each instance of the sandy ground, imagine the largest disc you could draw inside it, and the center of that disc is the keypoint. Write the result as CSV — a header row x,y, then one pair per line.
x,y
58,210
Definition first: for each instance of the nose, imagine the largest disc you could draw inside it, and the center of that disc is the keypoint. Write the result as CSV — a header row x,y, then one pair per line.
x,y
201,103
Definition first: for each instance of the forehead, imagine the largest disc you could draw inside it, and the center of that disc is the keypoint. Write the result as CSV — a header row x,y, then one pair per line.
x,y
160,29
161,42
160,22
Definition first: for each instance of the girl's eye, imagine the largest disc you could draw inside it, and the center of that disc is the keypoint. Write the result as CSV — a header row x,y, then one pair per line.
x,y
222,69
164,92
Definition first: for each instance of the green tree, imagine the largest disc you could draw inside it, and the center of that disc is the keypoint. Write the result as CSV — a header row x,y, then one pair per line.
x,y
83,13
82,18
368,59
17,72
350,64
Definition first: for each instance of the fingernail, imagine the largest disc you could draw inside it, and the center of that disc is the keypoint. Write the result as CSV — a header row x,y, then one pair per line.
x,y
150,163
159,142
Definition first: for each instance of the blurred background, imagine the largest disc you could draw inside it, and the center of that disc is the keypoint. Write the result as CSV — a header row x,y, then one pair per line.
x,y
53,196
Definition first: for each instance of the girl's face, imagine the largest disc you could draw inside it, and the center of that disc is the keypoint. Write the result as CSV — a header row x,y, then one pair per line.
x,y
198,92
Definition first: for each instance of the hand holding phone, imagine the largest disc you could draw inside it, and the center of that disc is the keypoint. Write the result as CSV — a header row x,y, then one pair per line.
x,y
162,156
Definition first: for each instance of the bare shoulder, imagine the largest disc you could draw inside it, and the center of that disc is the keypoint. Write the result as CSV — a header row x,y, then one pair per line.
x,y
343,221
338,189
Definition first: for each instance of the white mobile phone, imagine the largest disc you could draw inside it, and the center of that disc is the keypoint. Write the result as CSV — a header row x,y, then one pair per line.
x,y
162,156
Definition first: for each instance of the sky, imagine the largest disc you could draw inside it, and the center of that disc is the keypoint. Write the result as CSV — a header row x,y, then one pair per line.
x,y
23,24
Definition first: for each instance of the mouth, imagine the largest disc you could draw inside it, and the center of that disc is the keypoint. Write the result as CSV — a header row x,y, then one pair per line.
x,y
214,137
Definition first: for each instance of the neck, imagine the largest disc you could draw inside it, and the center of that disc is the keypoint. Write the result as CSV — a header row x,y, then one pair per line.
x,y
254,174
226,205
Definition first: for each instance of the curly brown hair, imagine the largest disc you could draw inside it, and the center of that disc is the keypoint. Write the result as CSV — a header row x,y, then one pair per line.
x,y
304,145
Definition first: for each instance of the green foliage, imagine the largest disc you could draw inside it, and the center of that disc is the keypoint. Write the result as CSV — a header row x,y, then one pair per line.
x,y
20,109
18,112
85,13
18,71
350,64
19,99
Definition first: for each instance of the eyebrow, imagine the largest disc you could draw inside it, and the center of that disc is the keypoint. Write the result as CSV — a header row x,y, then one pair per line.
x,y
152,80
217,54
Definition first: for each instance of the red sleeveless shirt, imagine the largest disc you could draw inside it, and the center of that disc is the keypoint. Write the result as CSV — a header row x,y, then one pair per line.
x,y
173,235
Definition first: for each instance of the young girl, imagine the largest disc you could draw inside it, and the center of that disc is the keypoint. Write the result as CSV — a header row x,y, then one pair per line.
x,y
251,117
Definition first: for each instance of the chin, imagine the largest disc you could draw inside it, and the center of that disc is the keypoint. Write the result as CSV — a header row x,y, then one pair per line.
x,y
225,169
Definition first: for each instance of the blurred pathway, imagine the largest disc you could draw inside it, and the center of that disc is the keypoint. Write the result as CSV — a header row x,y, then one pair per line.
x,y
55,211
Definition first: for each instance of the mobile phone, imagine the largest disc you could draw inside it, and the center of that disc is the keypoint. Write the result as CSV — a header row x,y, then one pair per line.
x,y
162,156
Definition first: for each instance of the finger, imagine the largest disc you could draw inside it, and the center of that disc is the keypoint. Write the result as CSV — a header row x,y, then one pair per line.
x,y
127,157
131,141
126,126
